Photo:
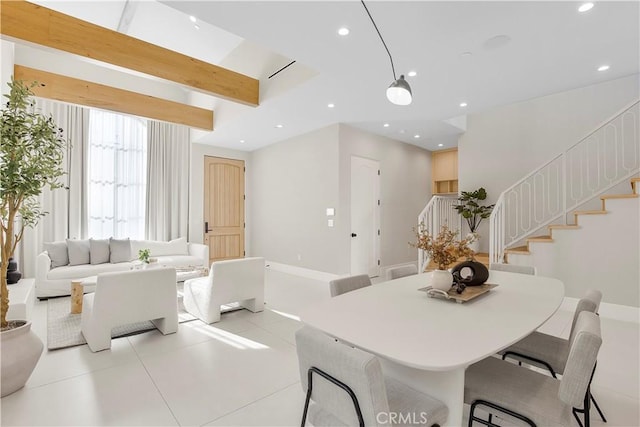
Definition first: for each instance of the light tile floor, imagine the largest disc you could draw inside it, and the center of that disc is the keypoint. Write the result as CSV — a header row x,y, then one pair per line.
x,y
241,371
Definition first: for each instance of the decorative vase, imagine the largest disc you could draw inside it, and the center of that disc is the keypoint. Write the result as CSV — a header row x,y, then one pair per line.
x,y
471,273
441,279
475,244
13,275
20,349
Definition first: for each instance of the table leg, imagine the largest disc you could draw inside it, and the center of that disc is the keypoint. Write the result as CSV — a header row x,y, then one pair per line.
x,y
77,293
446,386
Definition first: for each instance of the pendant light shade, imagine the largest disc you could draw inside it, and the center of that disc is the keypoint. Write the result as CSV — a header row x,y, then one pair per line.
x,y
399,92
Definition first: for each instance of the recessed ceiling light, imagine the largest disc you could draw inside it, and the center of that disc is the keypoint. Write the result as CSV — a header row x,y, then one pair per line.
x,y
331,105
440,145
412,73
603,68
386,125
466,54
197,27
242,141
585,7
416,136
344,31
401,130
463,104
192,18
279,126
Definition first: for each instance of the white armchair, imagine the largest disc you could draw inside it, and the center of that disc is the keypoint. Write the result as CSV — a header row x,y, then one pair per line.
x,y
237,280
128,297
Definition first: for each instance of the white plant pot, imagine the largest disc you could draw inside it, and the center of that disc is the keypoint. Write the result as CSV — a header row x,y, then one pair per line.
x,y
20,350
441,279
475,245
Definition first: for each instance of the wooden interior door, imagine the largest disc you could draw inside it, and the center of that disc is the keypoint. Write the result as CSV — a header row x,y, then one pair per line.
x,y
224,208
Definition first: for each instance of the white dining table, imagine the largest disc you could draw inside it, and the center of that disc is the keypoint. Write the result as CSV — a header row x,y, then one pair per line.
x,y
426,342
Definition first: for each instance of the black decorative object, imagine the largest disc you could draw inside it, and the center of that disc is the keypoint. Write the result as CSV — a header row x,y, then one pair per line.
x,y
470,273
13,275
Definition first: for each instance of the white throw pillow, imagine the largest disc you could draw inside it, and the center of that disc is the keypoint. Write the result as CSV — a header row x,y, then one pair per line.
x,y
78,252
99,251
120,250
174,247
57,253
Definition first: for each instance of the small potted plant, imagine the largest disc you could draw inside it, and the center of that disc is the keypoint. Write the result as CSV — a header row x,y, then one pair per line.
x,y
144,256
31,154
473,212
443,249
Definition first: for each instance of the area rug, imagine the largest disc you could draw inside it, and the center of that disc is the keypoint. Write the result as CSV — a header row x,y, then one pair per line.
x,y
63,328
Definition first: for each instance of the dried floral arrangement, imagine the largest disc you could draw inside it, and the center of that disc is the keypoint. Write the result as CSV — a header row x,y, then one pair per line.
x,y
445,248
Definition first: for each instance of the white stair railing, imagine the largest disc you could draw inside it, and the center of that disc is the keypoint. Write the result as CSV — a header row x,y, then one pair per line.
x,y
438,212
604,158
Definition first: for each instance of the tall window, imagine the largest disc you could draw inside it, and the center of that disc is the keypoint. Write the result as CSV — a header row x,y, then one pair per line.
x,y
117,175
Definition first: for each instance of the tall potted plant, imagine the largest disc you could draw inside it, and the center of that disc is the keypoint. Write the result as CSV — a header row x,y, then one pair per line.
x,y
473,212
31,155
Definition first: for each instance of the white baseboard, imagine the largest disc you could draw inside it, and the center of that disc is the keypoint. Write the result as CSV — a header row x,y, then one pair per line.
x,y
303,272
623,313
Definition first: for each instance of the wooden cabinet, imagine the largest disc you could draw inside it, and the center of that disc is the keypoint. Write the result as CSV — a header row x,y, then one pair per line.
x,y
444,171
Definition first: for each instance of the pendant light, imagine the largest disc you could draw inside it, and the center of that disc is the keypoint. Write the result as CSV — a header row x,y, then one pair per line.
x,y
399,92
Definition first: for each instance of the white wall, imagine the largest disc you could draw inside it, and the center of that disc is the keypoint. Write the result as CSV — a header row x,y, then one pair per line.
x,y
504,144
196,189
292,183
405,189
7,54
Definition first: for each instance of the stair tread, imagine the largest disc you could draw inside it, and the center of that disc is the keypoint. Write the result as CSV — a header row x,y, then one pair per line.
x,y
619,196
635,179
593,212
540,239
518,250
564,227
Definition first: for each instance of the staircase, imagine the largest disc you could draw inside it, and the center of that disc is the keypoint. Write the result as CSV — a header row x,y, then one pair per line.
x,y
438,212
515,252
554,196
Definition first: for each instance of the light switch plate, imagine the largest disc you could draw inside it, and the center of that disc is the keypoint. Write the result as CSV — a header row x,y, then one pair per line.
x,y
331,211
330,222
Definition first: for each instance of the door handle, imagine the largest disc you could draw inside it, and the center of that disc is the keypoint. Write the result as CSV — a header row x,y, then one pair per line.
x,y
354,235
206,227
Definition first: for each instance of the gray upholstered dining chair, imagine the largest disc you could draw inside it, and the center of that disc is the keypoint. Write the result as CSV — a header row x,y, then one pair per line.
x,y
348,284
551,352
345,386
402,271
512,268
513,392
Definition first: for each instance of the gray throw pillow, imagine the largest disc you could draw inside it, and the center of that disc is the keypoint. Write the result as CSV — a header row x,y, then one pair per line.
x,y
78,252
99,251
58,253
120,250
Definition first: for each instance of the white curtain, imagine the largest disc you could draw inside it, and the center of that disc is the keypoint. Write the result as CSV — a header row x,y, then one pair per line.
x,y
66,207
167,213
117,175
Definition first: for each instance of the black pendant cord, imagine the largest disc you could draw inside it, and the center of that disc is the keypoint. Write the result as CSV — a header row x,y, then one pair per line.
x,y
381,39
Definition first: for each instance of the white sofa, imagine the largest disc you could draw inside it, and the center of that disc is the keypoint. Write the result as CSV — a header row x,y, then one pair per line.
x,y
56,281
237,280
128,297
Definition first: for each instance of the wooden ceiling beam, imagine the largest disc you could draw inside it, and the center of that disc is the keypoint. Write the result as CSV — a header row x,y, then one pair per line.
x,y
40,25
76,91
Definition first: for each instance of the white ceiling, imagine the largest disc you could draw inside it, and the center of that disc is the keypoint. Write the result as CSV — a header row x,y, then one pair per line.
x,y
551,48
